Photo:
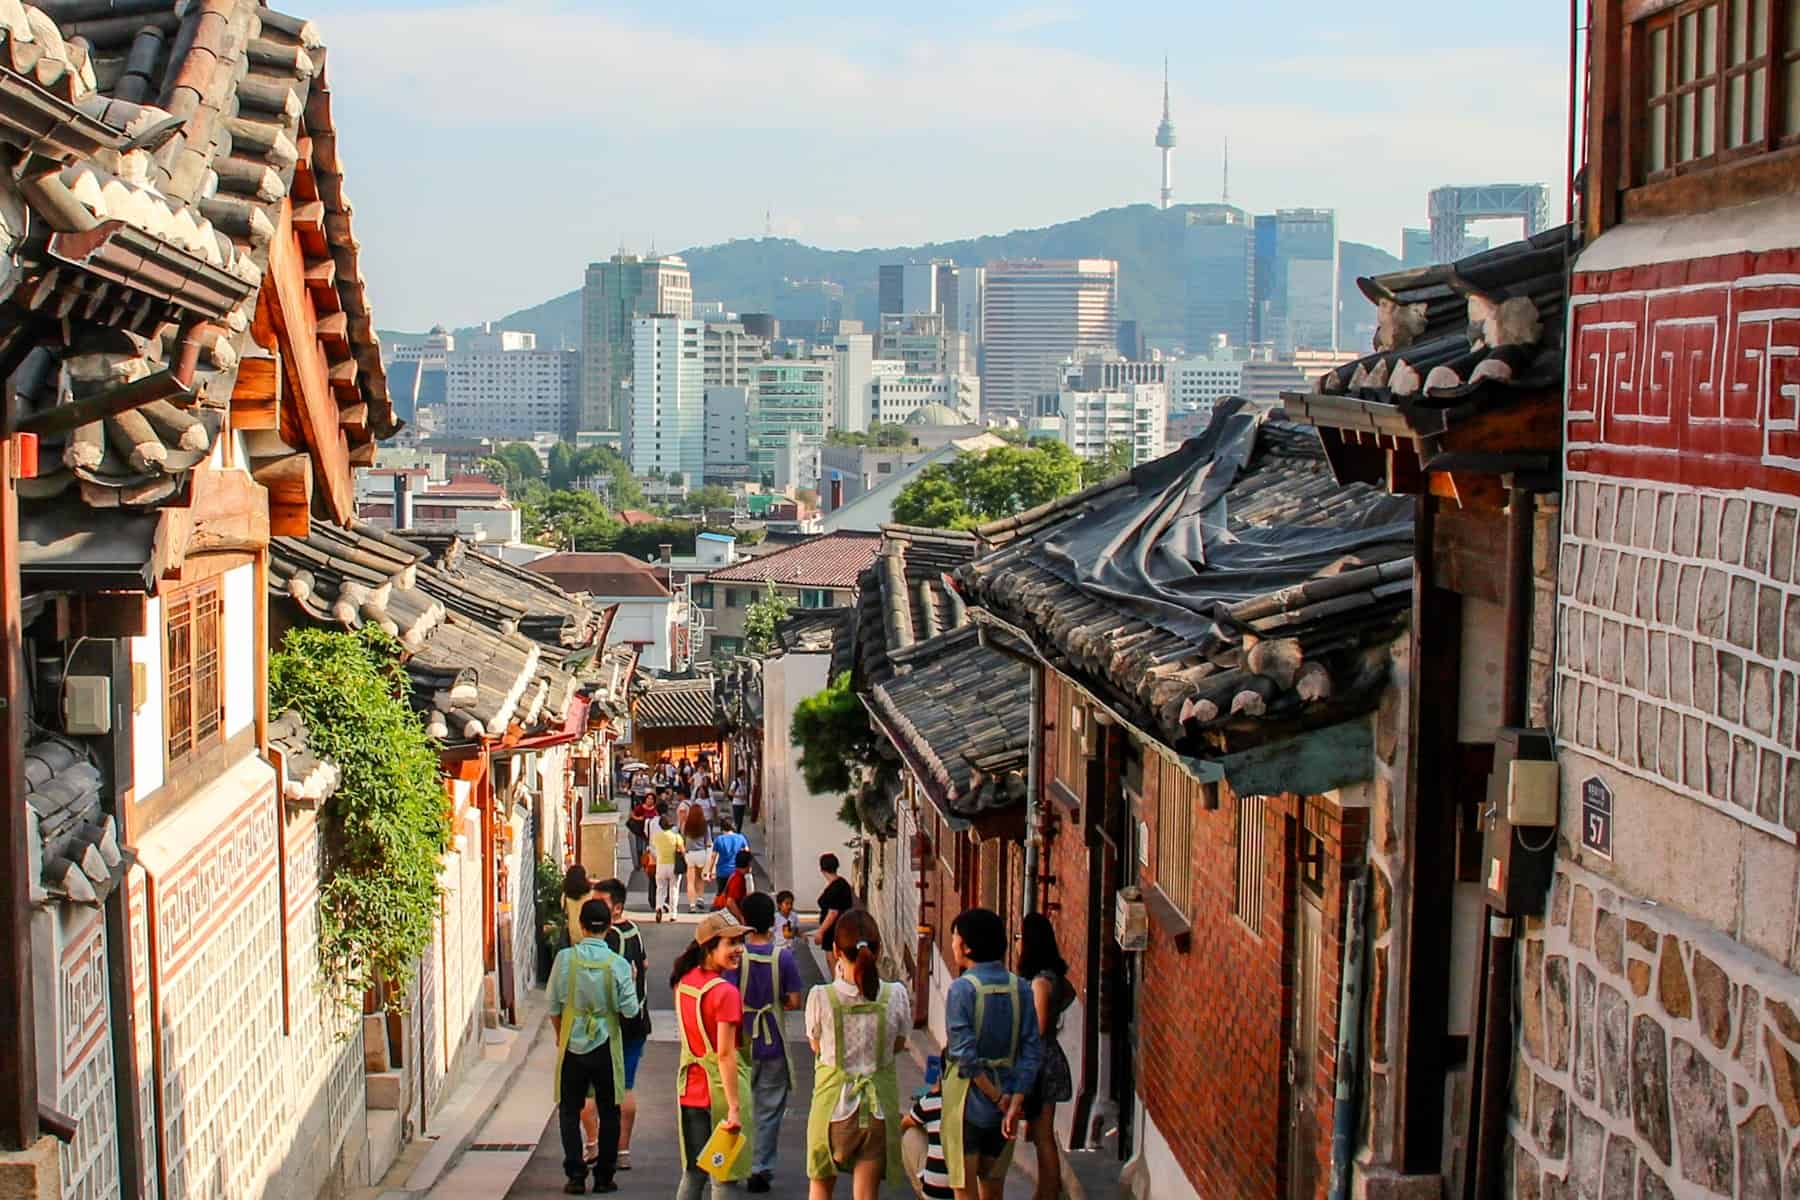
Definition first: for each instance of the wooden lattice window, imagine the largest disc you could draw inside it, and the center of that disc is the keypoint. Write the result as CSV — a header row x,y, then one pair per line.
x,y
1174,858
192,670
1251,858
1719,77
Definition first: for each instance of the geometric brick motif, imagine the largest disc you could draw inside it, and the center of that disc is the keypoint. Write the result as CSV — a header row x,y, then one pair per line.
x,y
1678,626
84,1070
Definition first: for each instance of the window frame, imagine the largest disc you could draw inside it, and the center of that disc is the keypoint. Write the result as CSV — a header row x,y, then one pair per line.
x,y
1250,873
1172,843
190,607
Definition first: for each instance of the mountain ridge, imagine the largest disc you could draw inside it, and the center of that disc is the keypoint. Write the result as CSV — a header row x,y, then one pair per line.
x,y
756,274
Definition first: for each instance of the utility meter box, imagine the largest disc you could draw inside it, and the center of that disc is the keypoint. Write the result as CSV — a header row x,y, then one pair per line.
x,y
1531,792
1131,920
1518,858
87,705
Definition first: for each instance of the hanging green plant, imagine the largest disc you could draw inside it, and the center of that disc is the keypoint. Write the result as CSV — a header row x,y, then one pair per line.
x,y
388,824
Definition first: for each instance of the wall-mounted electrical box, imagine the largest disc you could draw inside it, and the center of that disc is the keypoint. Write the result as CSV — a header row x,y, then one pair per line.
x,y
1531,792
1131,920
1518,858
87,705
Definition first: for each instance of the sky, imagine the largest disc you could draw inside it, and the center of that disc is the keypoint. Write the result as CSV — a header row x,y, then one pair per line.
x,y
492,150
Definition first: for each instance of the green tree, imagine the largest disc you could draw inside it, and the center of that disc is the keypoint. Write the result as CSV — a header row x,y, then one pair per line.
x,y
571,520
836,742
387,826
761,618
977,488
709,497
1115,461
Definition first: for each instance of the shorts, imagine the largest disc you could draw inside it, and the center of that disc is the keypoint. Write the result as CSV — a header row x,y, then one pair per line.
x,y
634,1054
698,858
853,1142
987,1150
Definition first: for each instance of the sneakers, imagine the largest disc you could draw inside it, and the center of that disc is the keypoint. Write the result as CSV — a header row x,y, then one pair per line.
x,y
575,1187
759,1182
603,1186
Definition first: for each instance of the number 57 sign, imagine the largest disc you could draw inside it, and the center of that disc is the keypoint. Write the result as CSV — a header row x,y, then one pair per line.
x,y
1596,816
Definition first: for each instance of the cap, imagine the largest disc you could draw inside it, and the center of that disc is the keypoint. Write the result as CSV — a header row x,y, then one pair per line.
x,y
717,925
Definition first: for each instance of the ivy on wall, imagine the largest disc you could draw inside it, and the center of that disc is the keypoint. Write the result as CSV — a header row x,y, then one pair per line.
x,y
388,824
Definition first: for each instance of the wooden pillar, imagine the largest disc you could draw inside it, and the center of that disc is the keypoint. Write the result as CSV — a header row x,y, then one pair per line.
x,y
18,1067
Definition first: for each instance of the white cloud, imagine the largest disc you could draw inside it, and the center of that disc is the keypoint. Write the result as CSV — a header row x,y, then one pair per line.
x,y
1031,18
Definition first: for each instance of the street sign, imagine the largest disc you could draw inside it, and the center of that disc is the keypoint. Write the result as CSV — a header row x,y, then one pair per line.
x,y
1596,816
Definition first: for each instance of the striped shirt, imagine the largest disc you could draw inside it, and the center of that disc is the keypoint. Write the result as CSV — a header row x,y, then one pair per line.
x,y
934,1180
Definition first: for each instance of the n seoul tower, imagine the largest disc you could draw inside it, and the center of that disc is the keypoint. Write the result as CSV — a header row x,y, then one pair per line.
x,y
1165,141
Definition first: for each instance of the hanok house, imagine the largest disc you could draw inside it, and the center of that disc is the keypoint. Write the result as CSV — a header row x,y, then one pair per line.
x,y
1657,1035
488,652
676,719
953,699
189,363
820,572
1459,406
1218,631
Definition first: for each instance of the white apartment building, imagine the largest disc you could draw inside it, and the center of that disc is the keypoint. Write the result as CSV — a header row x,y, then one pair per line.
x,y
727,427
727,354
501,387
853,359
926,344
667,430
1197,384
1036,314
895,399
1139,414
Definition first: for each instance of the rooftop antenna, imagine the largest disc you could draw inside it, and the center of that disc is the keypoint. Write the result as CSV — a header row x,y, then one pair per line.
x,y
768,222
1225,195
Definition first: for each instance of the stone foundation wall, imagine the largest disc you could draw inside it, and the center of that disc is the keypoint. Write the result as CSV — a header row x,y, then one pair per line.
x,y
1656,1057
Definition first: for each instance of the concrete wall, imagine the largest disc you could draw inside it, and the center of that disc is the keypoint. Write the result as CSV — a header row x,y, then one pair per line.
x,y
798,824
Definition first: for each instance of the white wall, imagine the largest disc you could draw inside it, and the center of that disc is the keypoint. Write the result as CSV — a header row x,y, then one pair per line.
x,y
147,718
238,644
642,621
798,825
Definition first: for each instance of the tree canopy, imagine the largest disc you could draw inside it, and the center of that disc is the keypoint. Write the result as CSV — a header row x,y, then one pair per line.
x,y
885,434
1115,461
567,464
761,618
710,496
976,488
832,732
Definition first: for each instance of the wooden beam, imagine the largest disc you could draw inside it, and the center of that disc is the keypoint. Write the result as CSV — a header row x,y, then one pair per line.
x,y
355,420
334,335
309,226
290,481
112,614
256,397
362,454
1606,123
308,376
230,511
1532,424
1405,478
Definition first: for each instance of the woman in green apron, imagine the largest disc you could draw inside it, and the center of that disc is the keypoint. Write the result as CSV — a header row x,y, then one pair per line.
x,y
856,1024
590,990
713,1083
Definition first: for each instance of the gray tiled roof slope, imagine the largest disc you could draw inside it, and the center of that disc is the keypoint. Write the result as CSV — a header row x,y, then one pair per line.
x,y
677,703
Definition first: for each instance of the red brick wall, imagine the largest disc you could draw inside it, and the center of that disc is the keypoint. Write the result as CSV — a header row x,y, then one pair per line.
x,y
1345,834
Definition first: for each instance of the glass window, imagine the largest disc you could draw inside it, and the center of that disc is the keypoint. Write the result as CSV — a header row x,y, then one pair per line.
x,y
1707,92
192,670
703,595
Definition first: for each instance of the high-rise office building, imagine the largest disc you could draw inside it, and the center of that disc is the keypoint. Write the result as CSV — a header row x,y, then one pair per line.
x,y
501,386
852,356
667,430
1219,261
926,344
727,425
791,403
416,374
728,351
959,297
1036,314
1297,279
614,294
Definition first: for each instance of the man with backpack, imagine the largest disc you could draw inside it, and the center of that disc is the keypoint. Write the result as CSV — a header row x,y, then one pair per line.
x,y
769,979
624,940
591,992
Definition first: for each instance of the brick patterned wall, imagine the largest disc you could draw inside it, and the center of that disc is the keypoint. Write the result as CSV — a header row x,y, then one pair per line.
x,y
1679,631
137,920
75,1044
324,1043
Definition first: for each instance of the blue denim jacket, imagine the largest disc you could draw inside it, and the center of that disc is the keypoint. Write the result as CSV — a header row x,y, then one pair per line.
x,y
968,1045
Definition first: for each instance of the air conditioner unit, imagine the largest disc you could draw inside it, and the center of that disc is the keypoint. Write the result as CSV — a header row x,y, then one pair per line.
x,y
1131,920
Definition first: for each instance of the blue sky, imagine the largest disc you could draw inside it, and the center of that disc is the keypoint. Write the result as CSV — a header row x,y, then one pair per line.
x,y
493,149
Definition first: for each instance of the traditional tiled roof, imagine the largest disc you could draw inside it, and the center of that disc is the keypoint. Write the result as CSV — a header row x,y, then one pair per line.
x,y
603,573
470,679
831,560
636,516
677,703
613,675
959,713
306,778
813,630
1229,587
74,846
1450,339
511,597
904,596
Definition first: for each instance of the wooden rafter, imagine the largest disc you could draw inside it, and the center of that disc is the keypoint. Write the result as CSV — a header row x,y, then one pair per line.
x,y
309,376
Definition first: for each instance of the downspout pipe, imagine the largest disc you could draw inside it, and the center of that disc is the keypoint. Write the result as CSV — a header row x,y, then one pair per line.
x,y
1346,1112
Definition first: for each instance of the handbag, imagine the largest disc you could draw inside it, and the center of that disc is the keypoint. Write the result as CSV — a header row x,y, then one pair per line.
x,y
647,860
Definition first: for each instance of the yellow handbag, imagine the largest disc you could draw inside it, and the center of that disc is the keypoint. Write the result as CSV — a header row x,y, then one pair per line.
x,y
721,1152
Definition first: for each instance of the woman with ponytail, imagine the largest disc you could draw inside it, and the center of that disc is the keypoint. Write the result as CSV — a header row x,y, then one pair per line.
x,y
857,1025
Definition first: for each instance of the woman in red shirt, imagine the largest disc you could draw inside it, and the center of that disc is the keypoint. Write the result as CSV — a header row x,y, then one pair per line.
x,y
714,1081
736,888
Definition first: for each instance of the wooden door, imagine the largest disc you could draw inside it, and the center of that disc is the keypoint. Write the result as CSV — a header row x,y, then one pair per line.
x,y
1303,1053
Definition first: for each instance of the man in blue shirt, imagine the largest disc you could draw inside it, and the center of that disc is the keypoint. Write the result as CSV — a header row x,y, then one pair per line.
x,y
993,1056
769,979
726,848
591,990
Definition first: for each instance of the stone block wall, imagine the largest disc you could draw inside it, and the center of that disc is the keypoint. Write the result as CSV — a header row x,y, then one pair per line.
x,y
1679,632
1657,1057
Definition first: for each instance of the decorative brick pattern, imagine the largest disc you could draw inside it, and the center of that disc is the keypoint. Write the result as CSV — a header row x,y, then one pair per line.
x,y
325,1038
137,918
1650,1049
1678,627
81,1060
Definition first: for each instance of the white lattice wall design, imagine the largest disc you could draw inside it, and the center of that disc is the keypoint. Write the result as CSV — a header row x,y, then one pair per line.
x,y
1679,629
75,1066
137,919
324,1044
462,965
225,1102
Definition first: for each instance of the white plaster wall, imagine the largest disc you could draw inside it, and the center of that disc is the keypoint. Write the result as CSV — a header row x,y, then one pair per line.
x,y
238,593
799,825
1156,1161
147,717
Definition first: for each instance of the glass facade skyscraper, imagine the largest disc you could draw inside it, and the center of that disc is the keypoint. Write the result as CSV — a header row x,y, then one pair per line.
x,y
1220,264
613,295
1296,277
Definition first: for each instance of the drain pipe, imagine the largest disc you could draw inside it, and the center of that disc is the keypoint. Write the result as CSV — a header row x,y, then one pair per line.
x,y
1346,1112
1034,742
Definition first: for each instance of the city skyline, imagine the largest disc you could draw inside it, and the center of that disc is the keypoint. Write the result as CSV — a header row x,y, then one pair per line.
x,y
1005,110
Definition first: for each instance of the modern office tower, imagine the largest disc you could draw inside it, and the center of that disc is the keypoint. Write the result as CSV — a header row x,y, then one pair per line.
x,y
1415,248
501,386
1036,314
900,399
614,294
1130,342
1219,261
852,357
727,430
667,429
728,351
925,344
791,402
1165,143
762,325
959,296
1093,421
1297,279
416,373
914,287
1197,384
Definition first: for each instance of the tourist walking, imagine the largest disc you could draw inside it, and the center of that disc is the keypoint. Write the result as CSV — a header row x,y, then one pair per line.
x,y
670,848
922,1145
837,899
769,980
739,889
740,797
650,860
857,1025
1041,964
624,940
992,1058
576,891
725,850
713,1080
638,825
697,847
590,992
